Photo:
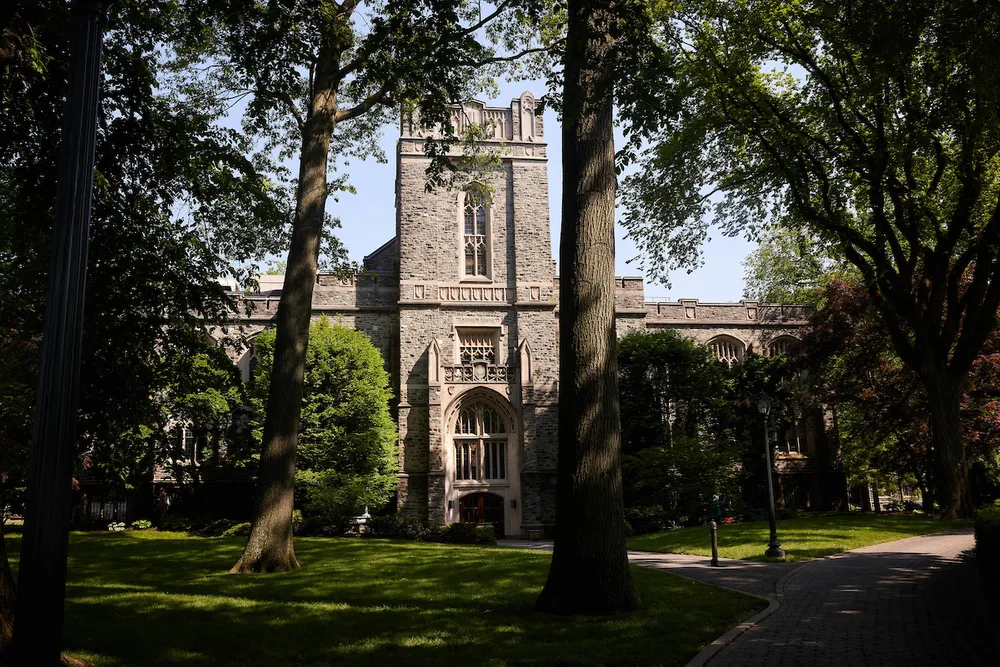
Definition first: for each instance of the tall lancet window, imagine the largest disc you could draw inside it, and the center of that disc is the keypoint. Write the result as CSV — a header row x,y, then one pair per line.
x,y
476,232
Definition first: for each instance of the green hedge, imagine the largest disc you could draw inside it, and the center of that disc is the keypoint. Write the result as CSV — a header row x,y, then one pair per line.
x,y
987,529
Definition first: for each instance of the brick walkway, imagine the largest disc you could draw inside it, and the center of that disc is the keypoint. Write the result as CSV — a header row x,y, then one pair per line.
x,y
911,602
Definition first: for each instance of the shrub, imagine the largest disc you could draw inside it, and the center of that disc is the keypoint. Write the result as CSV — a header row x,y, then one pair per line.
x,y
175,523
237,530
464,533
648,519
142,524
395,527
346,457
212,527
486,535
987,530
296,522
116,526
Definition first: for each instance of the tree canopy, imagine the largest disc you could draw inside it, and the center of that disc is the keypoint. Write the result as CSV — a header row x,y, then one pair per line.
x,y
874,126
347,440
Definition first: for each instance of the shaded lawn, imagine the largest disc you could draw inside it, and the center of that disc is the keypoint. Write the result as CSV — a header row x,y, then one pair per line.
x,y
801,538
155,598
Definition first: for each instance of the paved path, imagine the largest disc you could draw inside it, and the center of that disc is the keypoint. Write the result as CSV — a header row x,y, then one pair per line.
x,y
911,602
743,575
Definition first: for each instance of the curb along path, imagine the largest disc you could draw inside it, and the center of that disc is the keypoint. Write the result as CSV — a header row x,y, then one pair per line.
x,y
911,602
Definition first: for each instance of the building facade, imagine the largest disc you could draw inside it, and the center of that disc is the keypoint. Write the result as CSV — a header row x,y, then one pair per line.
x,y
463,304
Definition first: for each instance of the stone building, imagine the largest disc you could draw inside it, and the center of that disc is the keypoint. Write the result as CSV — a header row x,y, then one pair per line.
x,y
463,304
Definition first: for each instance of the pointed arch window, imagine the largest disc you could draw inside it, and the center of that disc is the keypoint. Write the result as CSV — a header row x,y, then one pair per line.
x,y
480,439
788,345
727,349
475,232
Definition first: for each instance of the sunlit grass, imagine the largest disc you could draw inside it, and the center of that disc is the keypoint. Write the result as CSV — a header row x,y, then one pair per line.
x,y
802,538
165,598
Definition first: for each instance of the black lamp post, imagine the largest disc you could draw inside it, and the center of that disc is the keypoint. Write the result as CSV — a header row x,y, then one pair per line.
x,y
41,590
774,549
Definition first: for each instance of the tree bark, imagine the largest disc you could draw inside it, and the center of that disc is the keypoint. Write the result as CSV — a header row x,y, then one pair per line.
x,y
952,472
269,547
590,572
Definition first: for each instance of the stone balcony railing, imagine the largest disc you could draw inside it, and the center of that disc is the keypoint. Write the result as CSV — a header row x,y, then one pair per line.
x,y
479,372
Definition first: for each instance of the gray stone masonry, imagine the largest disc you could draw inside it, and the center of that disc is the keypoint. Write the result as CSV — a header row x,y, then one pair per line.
x,y
414,301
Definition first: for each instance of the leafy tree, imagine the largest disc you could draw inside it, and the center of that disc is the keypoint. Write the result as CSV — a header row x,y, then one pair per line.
x,y
791,266
347,439
206,393
677,450
590,572
874,126
882,409
669,385
178,202
320,78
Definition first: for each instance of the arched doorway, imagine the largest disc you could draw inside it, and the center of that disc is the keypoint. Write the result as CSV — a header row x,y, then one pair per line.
x,y
483,508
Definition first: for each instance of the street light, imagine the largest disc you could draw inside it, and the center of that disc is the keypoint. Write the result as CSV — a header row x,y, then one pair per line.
x,y
774,549
41,586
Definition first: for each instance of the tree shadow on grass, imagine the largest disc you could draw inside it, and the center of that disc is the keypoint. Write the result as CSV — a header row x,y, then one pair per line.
x,y
153,600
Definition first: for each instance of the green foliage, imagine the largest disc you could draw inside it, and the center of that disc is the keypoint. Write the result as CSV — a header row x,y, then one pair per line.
x,y
395,527
142,524
792,266
987,529
690,427
347,440
237,530
116,526
873,128
175,524
179,201
462,533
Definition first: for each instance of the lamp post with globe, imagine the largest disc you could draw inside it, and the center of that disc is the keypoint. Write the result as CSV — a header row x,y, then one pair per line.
x,y
774,549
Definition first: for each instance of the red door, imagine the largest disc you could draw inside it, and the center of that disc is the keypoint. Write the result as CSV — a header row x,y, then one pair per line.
x,y
483,508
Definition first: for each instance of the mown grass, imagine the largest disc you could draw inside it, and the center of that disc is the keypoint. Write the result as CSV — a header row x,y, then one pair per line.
x,y
802,538
165,598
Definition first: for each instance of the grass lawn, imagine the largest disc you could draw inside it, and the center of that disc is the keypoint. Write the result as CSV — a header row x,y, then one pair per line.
x,y
802,539
156,598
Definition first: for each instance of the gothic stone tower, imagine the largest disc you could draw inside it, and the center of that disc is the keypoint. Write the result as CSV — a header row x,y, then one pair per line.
x,y
477,332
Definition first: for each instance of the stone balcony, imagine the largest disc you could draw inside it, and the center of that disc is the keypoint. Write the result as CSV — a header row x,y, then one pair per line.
x,y
479,372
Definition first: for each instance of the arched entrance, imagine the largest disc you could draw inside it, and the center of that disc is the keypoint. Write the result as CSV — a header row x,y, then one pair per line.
x,y
483,508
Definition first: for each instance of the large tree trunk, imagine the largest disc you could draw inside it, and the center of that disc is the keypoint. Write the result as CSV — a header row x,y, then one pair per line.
x,y
590,571
269,546
952,472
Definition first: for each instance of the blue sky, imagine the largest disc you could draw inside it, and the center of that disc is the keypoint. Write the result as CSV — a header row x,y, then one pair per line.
x,y
368,217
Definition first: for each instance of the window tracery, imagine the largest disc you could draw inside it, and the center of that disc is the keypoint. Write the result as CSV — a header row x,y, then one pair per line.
x,y
475,232
480,444
727,349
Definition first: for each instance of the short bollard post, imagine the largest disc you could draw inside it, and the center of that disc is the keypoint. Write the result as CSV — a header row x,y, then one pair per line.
x,y
715,544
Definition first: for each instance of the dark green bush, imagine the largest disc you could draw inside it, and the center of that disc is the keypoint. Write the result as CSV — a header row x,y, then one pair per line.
x,y
395,527
485,535
175,523
460,533
237,530
648,519
987,529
